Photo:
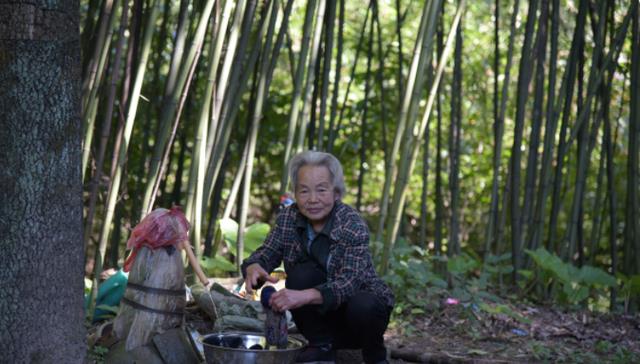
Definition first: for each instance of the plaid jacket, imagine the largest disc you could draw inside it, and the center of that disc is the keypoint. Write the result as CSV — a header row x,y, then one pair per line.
x,y
350,265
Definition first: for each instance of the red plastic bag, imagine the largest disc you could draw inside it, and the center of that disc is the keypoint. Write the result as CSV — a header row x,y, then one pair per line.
x,y
161,227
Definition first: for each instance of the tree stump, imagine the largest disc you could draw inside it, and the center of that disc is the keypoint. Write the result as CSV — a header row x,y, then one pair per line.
x,y
155,297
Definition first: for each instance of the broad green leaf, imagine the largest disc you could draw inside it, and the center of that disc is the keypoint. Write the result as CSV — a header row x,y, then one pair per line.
x,y
461,264
438,282
634,284
113,309
553,264
217,263
574,292
525,273
488,296
592,275
229,230
255,235
461,294
498,258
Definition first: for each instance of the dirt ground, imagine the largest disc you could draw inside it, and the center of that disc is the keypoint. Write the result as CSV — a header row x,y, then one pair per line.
x,y
458,334
454,332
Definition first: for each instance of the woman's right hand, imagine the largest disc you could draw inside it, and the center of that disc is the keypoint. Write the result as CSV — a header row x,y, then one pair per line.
x,y
256,273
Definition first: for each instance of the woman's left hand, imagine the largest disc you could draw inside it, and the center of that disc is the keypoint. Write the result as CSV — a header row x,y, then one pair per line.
x,y
289,299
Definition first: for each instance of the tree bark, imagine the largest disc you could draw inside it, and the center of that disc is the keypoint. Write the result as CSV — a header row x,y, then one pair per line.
x,y
41,209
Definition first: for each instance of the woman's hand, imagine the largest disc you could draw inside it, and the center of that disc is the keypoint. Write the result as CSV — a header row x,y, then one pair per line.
x,y
288,299
255,272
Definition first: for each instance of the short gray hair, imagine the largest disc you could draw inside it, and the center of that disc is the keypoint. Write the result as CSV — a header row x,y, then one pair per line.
x,y
313,158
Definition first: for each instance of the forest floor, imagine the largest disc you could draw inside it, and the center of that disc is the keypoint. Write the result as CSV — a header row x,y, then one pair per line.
x,y
455,332
458,334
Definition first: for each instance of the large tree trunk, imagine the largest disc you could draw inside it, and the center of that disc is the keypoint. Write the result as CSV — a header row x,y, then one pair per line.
x,y
41,194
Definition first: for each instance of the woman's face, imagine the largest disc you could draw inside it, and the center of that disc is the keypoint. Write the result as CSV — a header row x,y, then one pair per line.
x,y
315,194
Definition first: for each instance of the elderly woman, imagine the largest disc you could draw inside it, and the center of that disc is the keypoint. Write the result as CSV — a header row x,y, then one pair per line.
x,y
332,290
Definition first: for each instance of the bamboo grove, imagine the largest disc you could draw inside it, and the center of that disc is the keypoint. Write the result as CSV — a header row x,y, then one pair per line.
x,y
493,126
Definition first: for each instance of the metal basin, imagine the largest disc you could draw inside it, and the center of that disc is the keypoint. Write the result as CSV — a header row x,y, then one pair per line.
x,y
247,348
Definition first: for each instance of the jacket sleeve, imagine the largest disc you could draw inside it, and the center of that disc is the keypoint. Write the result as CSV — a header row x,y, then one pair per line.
x,y
350,272
269,254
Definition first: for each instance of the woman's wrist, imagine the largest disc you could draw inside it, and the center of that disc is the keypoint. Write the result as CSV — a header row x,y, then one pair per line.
x,y
313,296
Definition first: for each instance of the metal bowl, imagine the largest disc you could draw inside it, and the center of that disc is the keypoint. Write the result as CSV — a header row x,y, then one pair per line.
x,y
247,348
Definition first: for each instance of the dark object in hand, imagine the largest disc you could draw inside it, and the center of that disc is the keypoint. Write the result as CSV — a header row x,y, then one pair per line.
x,y
275,326
265,295
259,283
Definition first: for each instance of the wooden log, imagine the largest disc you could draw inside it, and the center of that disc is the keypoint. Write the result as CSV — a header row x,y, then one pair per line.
x,y
174,347
154,300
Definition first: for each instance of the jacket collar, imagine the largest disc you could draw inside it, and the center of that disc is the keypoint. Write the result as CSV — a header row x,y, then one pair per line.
x,y
329,229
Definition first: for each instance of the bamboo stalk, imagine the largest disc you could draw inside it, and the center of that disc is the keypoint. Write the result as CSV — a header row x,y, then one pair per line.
x,y
363,124
106,126
172,104
237,180
106,22
613,222
595,79
399,22
130,119
414,80
551,126
632,225
537,113
313,102
328,50
306,99
439,205
230,56
336,82
498,124
524,77
238,83
566,96
297,90
587,139
274,57
94,80
194,206
88,33
261,95
380,79
333,131
177,53
607,64
422,240
169,146
410,150
219,42
453,247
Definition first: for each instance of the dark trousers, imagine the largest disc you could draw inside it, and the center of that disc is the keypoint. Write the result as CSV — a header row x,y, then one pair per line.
x,y
358,323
